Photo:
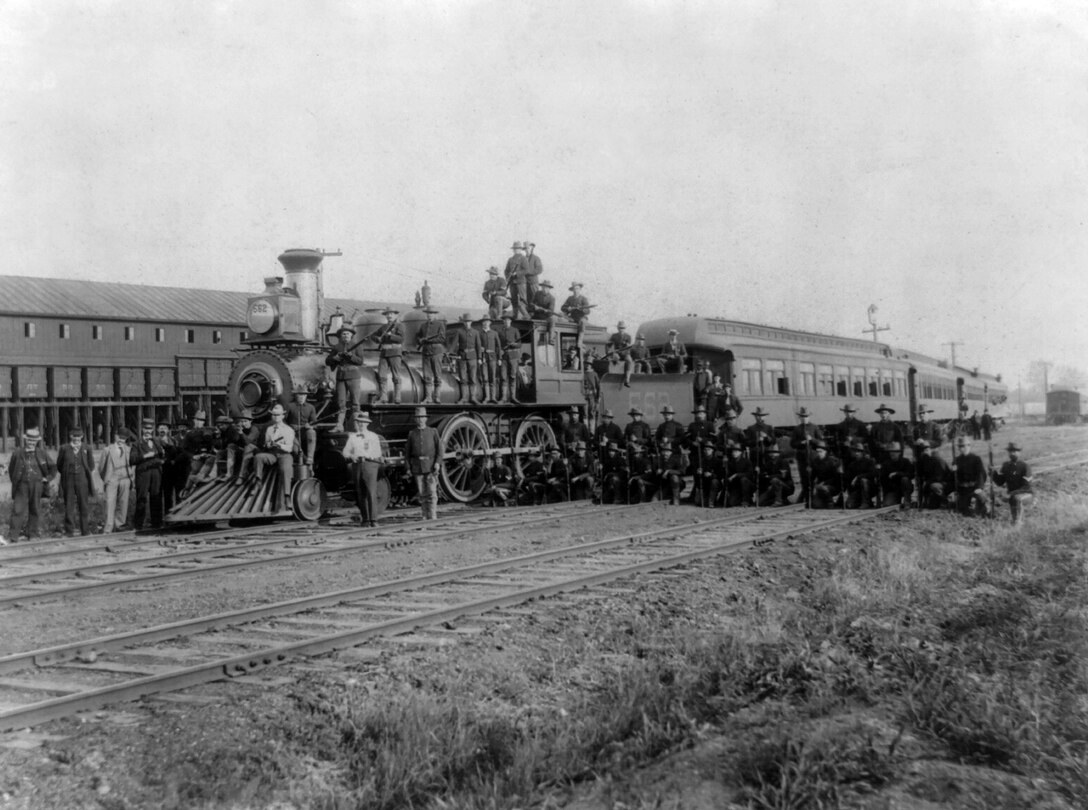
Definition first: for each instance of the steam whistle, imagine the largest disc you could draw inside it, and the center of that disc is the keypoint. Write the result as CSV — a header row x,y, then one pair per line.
x,y
426,294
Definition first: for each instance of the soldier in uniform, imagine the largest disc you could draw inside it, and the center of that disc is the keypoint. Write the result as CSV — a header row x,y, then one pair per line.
x,y
701,431
363,451
591,390
619,350
1015,476
775,483
801,440
640,356
739,476
577,307
669,432
729,432
390,339
498,481
883,434
701,382
533,268
348,365
896,478
490,352
934,475
534,479
574,431
115,470
242,442
607,432
510,338
431,339
924,429
826,481
850,427
516,284
707,476
277,444
969,477
861,476
423,452
582,478
542,308
673,354
302,417
715,399
75,463
986,424
467,347
495,294
670,474
30,468
730,401
641,480
614,475
758,437
637,430
558,480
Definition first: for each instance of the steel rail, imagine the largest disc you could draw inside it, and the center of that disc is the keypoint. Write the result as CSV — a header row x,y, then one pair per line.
x,y
383,538
238,665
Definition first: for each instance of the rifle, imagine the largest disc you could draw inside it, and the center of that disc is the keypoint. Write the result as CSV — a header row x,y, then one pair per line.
x,y
377,335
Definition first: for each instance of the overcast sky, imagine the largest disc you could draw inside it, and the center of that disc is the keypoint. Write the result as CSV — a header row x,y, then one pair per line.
x,y
779,162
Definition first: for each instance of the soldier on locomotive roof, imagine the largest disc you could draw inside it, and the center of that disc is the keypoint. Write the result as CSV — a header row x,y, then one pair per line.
x,y
619,349
673,353
577,307
348,364
516,280
495,293
431,339
390,340
542,306
467,346
533,268
640,355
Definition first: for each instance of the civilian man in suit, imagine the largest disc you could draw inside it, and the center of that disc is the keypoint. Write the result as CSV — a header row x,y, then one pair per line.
x,y
30,469
76,467
423,451
115,469
148,457
363,451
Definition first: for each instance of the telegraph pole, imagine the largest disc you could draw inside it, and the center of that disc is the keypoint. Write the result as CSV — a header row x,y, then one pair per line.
x,y
872,323
952,344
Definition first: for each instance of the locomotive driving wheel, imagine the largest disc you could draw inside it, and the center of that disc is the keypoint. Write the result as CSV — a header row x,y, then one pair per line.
x,y
308,499
531,434
465,441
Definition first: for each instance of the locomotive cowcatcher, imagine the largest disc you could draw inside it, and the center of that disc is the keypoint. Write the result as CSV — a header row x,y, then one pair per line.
x,y
290,335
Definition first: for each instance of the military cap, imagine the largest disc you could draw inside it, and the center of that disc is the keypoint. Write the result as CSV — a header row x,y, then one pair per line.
x,y
884,409
420,411
700,409
345,328
848,409
223,419
32,433
668,409
729,413
575,284
278,408
546,283
493,270
517,246
75,433
301,388
804,412
1013,448
390,311
621,325
634,412
579,445
760,412
819,444
507,315
431,310
608,414
146,422
466,318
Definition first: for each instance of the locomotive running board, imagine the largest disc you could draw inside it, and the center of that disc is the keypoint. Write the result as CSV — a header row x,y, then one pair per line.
x,y
230,500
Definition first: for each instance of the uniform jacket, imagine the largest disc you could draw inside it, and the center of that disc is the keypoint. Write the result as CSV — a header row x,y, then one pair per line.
x,y
116,463
490,342
849,429
826,471
881,434
758,434
575,432
591,383
533,267
543,304
348,365
390,339
639,352
771,470
492,287
668,432
73,464
934,470
969,471
930,431
637,431
894,469
674,349
860,467
17,466
423,449
297,417
802,436
467,344
431,338
575,307
510,338
1014,475
619,343
608,432
699,432
700,384
515,268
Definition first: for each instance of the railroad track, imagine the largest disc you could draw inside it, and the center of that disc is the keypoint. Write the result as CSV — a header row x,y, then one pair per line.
x,y
28,581
97,672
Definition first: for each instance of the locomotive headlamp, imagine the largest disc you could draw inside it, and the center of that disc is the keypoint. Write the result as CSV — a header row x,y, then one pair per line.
x,y
261,316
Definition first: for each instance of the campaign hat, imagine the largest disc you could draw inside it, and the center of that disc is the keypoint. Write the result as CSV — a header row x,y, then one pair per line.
x,y
634,412
668,409
546,283
962,441
420,411
729,413
485,319
431,310
497,454
607,414
579,445
613,446
760,412
699,409
301,388
1013,448
848,409
507,315
923,409
518,246
362,416
884,409
575,409
32,433
390,311
343,329
493,270
621,325
574,284
804,412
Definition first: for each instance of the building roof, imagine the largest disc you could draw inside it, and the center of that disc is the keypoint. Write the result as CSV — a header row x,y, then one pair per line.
x,y
108,300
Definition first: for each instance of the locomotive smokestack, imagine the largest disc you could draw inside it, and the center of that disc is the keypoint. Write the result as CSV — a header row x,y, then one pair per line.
x,y
302,273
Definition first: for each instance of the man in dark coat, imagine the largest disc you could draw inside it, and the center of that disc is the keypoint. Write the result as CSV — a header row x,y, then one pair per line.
x,y
423,452
1015,476
516,280
969,477
673,354
510,338
883,433
533,268
467,347
669,432
619,350
302,417
826,479
390,339
348,364
637,430
147,459
431,339
924,429
574,431
739,476
591,390
76,467
30,468
490,357
614,471
542,308
934,475
896,477
577,307
802,438
701,382
495,294
775,479
606,433
860,476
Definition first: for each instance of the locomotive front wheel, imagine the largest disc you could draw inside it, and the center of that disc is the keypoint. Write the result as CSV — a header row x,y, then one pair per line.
x,y
531,434
308,499
465,442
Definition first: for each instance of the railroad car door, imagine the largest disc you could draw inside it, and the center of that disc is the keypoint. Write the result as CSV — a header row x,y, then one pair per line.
x,y
912,392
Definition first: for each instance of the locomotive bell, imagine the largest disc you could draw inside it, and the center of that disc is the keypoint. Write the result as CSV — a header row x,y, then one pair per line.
x,y
302,273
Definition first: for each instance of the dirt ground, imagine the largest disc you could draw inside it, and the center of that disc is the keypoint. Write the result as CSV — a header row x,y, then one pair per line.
x,y
143,757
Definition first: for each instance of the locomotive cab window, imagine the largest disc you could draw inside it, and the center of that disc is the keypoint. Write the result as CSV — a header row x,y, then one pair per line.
x,y
569,354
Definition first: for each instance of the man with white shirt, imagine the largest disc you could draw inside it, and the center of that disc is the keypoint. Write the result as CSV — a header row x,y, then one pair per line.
x,y
115,468
363,451
279,442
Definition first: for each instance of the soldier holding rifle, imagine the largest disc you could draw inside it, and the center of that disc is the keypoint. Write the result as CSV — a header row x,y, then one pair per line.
x,y
467,347
431,339
348,364
390,340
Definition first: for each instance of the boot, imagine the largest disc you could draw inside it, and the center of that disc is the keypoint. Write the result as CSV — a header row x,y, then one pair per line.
x,y
488,390
462,399
434,395
472,395
339,428
380,396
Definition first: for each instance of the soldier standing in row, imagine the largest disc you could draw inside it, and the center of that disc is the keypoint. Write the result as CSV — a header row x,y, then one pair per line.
x,y
147,458
607,433
1015,476
669,432
884,433
76,466
636,430
467,347
348,365
574,431
533,268
390,340
850,428
490,353
758,436
423,452
924,429
431,339
729,432
510,339
802,440
516,285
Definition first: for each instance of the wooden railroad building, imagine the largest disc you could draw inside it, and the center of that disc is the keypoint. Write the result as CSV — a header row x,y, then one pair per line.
x,y
99,354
